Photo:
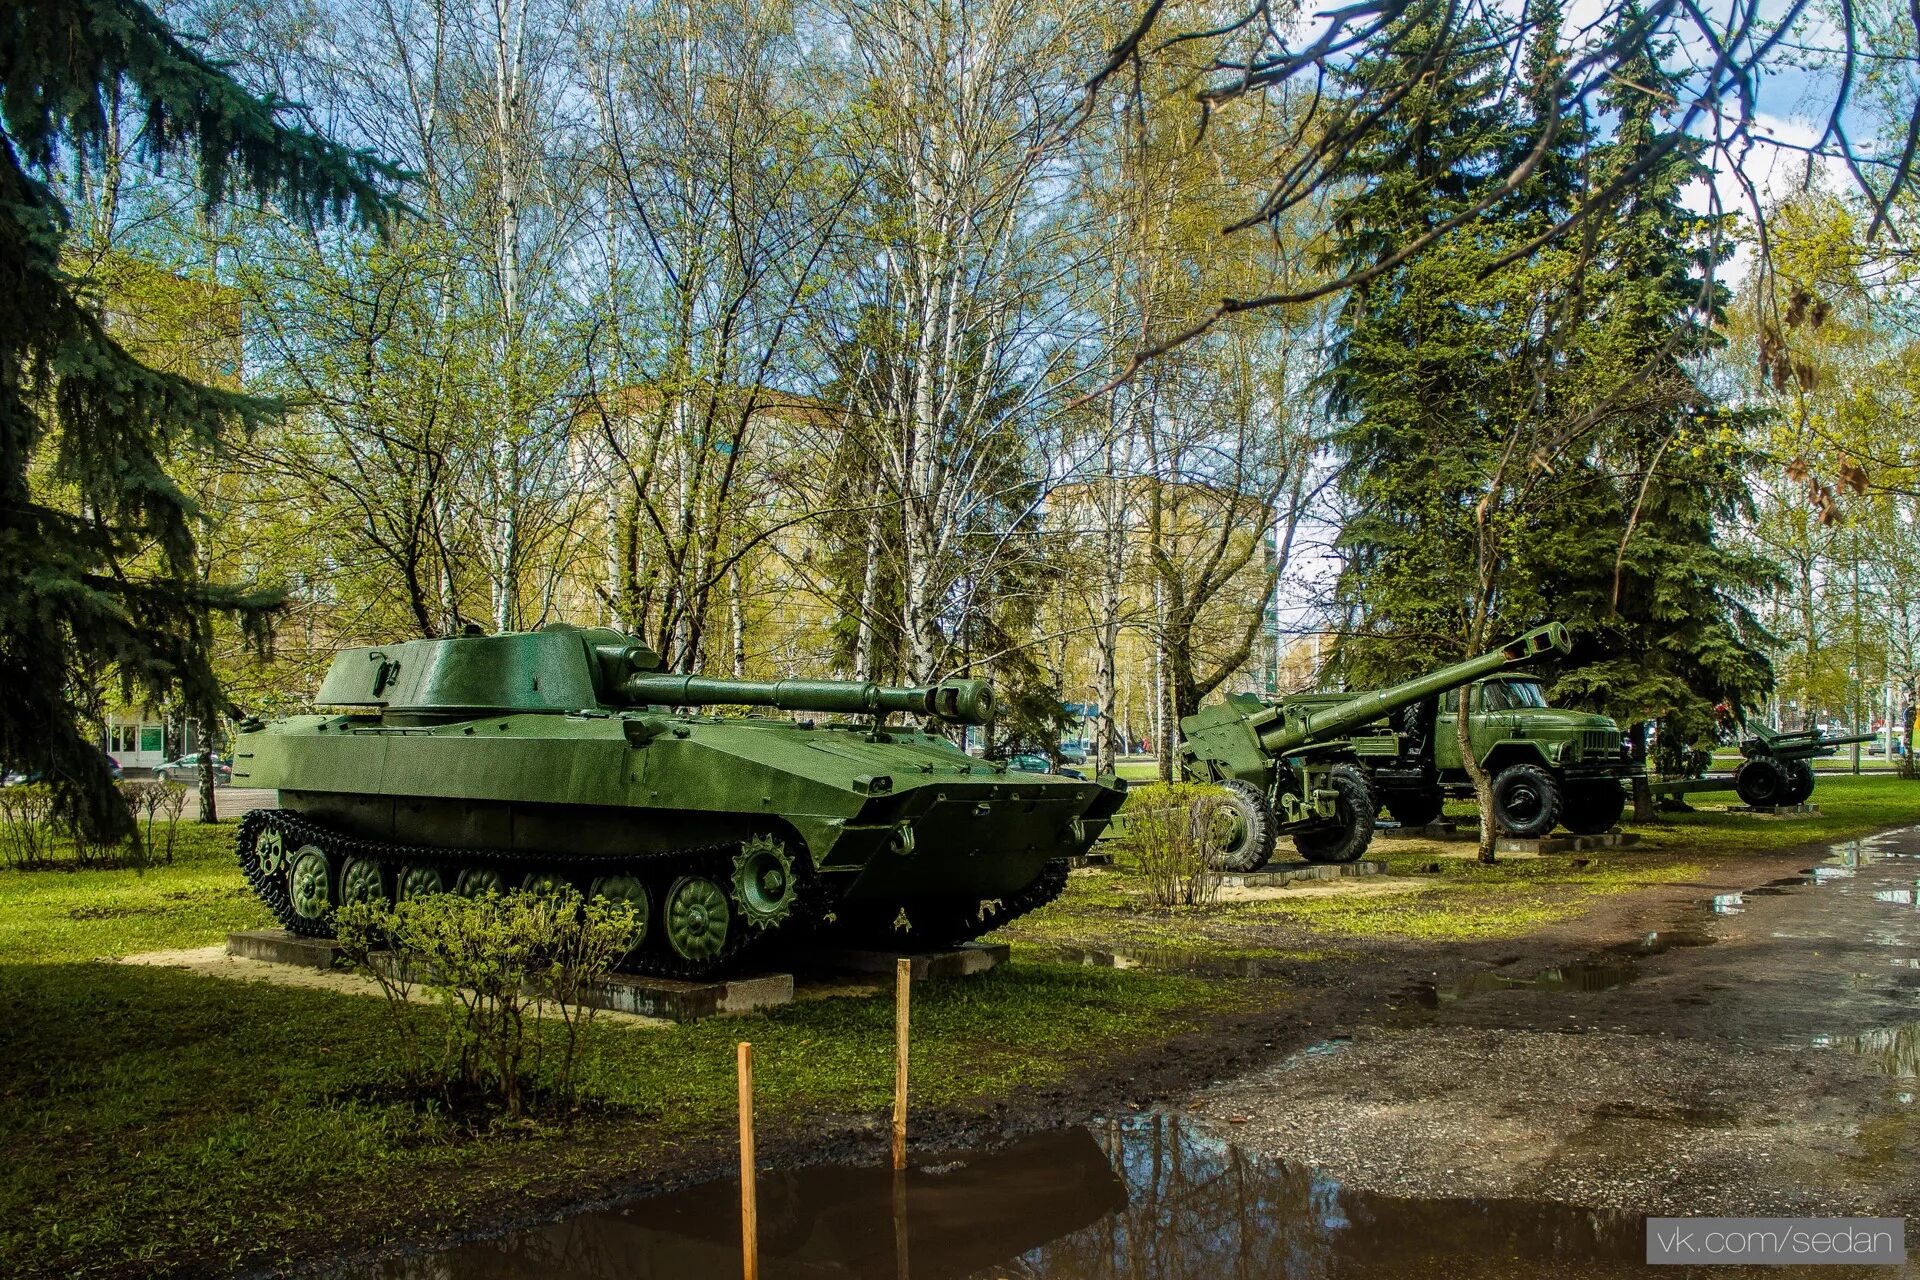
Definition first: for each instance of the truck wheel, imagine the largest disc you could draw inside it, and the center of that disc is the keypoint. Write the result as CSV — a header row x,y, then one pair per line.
x,y
1239,828
1351,831
1414,808
1761,783
1593,807
1526,801
1799,782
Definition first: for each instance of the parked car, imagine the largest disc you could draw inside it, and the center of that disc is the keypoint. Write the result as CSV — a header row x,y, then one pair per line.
x,y
187,769
27,777
1034,762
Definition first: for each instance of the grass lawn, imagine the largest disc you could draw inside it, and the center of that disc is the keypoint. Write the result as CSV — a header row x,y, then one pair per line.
x,y
154,1121
1464,899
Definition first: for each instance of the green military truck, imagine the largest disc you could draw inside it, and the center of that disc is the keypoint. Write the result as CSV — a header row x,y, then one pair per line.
x,y
1550,766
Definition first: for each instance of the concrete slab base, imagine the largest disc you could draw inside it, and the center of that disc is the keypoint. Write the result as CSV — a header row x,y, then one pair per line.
x,y
1516,847
959,962
1431,831
277,946
679,1000
1776,810
1091,859
1275,874
674,999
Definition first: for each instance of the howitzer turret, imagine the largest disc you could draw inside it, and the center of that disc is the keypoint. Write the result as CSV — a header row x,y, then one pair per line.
x,y
481,763
1295,766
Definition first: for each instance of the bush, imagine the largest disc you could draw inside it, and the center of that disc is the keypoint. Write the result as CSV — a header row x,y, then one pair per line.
x,y
152,802
26,827
497,964
1169,837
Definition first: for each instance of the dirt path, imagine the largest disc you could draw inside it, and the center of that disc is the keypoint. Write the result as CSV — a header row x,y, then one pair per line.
x,y
1754,1054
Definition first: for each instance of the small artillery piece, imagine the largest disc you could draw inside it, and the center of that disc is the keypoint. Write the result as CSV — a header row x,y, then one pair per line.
x,y
1298,766
1777,769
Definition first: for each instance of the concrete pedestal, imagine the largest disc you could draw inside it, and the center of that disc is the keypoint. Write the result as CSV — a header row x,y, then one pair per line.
x,y
277,946
1275,874
959,962
1564,843
1431,831
1776,810
677,1000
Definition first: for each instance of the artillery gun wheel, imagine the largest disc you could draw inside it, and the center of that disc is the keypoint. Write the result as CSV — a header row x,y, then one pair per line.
x,y
1414,808
1593,807
1526,801
1799,782
1239,828
1351,831
1761,783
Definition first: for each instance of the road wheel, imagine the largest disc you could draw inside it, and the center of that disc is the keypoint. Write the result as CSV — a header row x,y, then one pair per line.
x,y
1351,831
696,914
1799,782
1593,807
310,885
1526,801
361,880
1761,783
1239,827
1414,808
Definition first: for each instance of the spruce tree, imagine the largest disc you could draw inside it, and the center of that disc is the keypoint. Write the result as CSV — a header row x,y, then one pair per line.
x,y
1414,370
1656,594
97,542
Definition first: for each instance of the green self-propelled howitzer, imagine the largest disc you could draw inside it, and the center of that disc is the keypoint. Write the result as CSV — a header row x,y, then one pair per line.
x,y
526,760
1298,766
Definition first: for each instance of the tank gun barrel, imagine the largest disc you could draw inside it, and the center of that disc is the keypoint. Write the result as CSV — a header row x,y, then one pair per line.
x,y
956,701
1292,732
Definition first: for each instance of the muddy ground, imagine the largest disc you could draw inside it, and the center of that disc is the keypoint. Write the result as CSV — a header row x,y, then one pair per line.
x,y
1706,1069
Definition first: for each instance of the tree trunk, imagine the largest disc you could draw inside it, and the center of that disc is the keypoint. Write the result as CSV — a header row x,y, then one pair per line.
x,y
1482,780
208,812
1643,810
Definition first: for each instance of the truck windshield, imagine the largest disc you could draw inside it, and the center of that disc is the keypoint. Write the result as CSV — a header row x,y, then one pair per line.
x,y
1511,695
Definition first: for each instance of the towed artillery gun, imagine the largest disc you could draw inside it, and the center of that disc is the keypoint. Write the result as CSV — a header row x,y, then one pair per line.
x,y
1777,769
527,760
1301,766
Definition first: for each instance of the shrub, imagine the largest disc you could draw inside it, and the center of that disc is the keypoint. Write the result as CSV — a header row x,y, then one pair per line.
x,y
151,803
1169,837
26,826
496,965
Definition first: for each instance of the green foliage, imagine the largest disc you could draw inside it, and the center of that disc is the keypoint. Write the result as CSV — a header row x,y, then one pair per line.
x,y
489,960
1170,837
26,826
1528,432
98,571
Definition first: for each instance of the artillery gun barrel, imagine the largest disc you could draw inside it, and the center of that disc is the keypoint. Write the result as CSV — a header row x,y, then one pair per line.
x,y
957,701
1365,708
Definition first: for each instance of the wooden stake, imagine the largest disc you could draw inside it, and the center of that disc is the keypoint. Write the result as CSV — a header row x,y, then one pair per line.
x,y
902,986
749,1209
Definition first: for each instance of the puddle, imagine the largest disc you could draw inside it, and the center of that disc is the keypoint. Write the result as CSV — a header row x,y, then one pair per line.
x,y
1155,1198
1662,941
1175,960
1892,1051
1583,976
1729,904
